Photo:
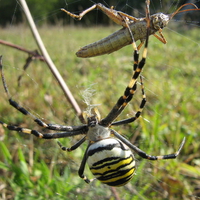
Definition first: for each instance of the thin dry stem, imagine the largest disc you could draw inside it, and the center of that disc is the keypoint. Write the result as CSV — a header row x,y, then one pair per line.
x,y
49,62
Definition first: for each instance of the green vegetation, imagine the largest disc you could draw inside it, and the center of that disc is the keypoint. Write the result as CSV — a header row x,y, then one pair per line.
x,y
31,168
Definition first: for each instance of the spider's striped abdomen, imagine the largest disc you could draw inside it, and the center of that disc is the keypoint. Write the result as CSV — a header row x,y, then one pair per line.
x,y
111,162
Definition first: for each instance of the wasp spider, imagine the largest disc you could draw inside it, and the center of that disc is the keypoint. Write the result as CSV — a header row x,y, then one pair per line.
x,y
109,155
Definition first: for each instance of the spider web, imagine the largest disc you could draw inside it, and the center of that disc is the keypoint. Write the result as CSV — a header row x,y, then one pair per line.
x,y
145,178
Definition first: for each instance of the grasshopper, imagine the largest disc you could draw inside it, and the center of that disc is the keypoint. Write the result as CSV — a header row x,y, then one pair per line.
x,y
133,29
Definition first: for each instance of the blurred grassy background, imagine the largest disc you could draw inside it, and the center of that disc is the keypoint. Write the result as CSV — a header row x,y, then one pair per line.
x,y
31,168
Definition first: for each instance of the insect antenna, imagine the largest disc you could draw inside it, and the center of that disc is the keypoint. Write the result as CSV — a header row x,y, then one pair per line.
x,y
180,11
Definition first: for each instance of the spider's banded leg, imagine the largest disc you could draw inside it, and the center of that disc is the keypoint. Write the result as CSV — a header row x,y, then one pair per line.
x,y
81,130
143,102
130,89
135,53
145,155
75,146
26,112
136,49
136,59
119,106
128,94
58,127
82,167
138,113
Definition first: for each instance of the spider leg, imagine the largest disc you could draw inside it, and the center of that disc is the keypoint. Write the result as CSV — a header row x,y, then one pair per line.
x,y
145,155
79,130
131,88
82,167
75,146
128,93
138,113
26,112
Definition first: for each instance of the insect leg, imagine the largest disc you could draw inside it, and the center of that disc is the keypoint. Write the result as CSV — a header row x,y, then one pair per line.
x,y
79,17
128,16
116,16
160,36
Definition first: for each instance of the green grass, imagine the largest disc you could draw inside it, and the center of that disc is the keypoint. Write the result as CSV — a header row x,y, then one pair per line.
x,y
31,168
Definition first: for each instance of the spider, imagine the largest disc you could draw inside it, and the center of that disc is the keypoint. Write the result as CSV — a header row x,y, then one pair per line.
x,y
108,154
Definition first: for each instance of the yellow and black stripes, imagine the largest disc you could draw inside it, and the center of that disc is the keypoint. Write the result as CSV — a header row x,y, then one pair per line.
x,y
80,130
132,86
114,171
111,162
110,159
138,113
